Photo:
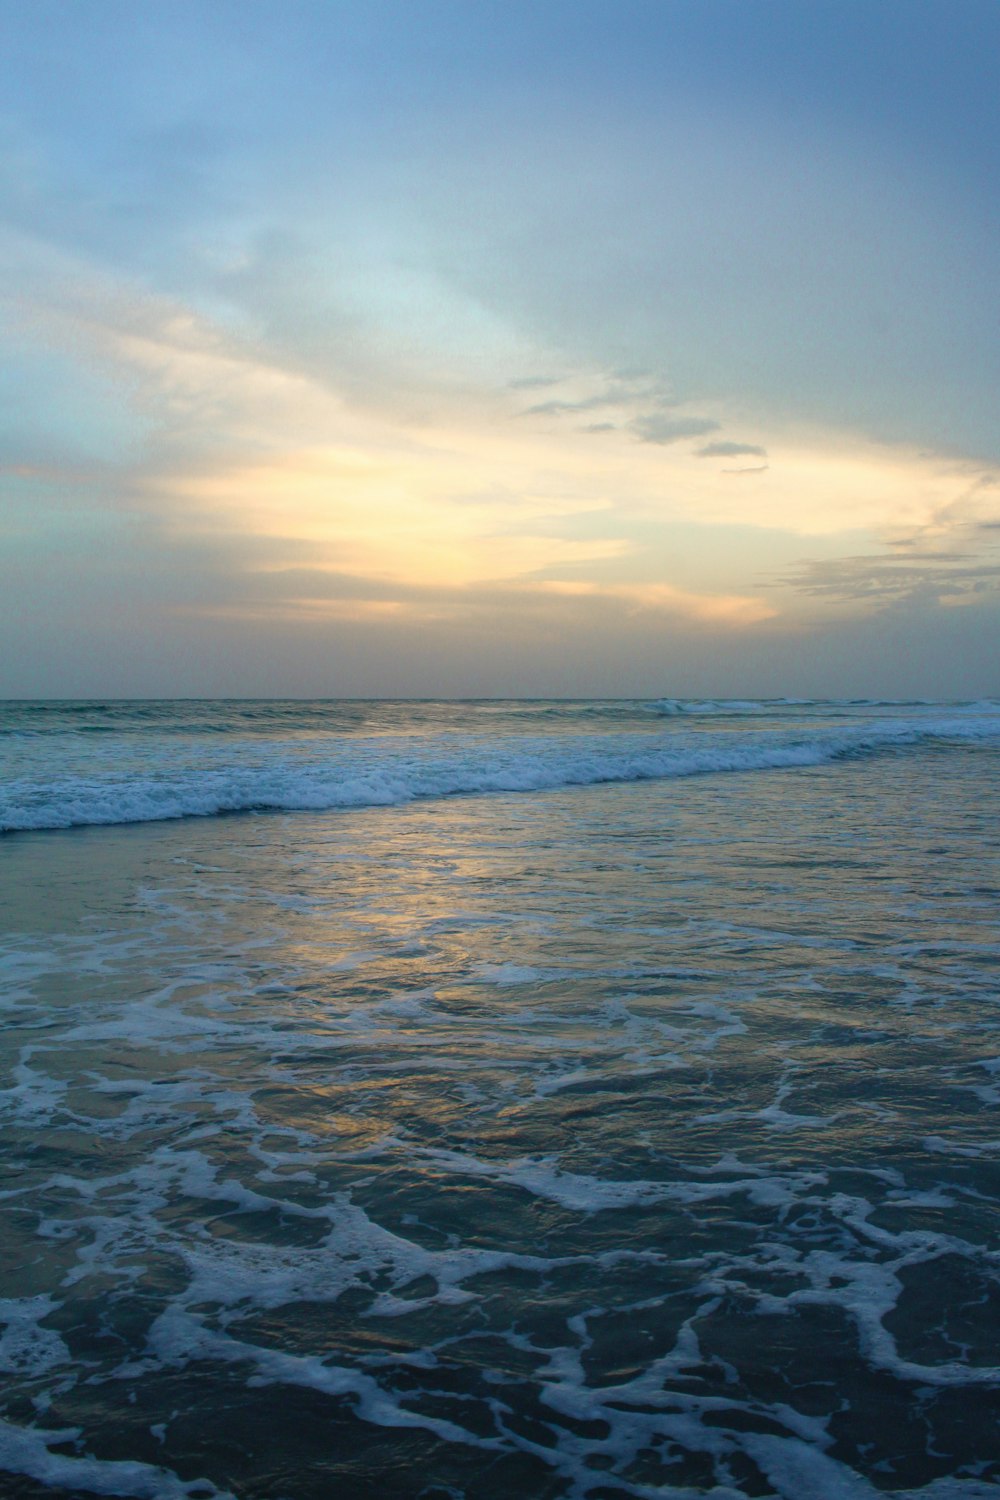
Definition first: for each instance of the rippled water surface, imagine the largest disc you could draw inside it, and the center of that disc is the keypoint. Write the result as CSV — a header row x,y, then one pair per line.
x,y
548,1100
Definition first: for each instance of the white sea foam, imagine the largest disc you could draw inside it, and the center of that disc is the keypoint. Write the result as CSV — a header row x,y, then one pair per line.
x,y
647,1157
374,773
26,1348
28,1450
542,1177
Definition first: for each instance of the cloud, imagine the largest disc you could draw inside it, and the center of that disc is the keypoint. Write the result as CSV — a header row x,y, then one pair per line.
x,y
657,427
729,610
753,469
261,488
948,558
940,578
631,392
732,450
557,408
288,591
960,516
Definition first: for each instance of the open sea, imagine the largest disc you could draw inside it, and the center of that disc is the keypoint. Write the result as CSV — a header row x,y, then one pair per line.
x,y
500,1100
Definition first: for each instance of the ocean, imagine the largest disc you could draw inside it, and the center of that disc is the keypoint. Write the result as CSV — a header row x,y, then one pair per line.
x,y
500,1100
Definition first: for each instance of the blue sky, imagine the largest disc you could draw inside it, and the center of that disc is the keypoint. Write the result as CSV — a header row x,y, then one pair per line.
x,y
497,348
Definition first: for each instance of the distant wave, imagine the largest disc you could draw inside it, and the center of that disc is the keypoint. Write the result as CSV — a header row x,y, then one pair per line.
x,y
670,706
371,775
177,717
713,707
221,717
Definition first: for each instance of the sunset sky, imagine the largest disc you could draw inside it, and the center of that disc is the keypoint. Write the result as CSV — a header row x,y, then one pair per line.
x,y
530,347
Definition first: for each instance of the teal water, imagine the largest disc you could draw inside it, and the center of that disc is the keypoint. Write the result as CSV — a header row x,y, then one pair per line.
x,y
497,1100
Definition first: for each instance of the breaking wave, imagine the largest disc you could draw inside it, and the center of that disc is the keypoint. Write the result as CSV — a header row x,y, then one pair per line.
x,y
323,775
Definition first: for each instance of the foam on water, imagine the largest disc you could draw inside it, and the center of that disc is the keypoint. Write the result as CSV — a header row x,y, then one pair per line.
x,y
633,1141
134,781
29,1452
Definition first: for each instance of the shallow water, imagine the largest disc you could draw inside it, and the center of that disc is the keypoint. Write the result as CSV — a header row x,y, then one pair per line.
x,y
634,1138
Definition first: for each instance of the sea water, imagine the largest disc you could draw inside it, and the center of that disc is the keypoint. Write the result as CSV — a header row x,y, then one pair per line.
x,y
500,1100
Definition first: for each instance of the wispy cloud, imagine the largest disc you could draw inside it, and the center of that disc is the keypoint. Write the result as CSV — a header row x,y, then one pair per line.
x,y
732,450
660,427
939,577
558,408
343,595
948,557
644,409
532,382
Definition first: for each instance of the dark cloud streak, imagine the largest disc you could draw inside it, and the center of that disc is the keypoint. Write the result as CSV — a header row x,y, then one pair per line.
x,y
731,450
884,581
660,429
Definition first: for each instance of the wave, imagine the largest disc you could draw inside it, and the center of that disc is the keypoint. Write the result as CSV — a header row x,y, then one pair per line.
x,y
268,718
371,775
707,707
712,707
669,707
177,716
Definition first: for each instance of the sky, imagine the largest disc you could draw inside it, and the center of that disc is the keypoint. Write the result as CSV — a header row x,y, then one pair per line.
x,y
499,347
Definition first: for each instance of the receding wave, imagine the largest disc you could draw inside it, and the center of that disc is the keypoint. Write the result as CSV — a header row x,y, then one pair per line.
x,y
371,775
